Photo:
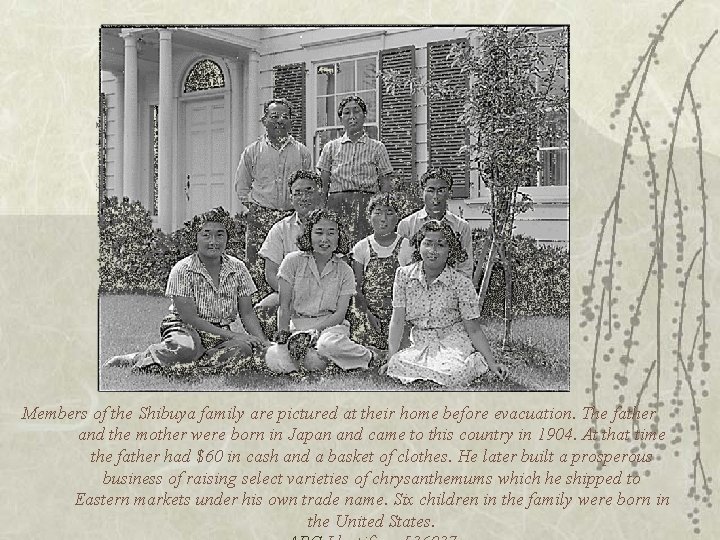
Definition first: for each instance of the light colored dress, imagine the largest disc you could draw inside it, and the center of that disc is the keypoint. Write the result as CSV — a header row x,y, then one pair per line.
x,y
441,349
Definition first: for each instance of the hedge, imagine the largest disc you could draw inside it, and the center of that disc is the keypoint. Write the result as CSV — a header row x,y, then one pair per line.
x,y
135,258
541,279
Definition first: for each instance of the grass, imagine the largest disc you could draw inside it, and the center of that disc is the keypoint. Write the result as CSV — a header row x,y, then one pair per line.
x,y
539,359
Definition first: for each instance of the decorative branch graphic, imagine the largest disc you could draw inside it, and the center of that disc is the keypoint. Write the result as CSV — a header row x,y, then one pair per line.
x,y
644,378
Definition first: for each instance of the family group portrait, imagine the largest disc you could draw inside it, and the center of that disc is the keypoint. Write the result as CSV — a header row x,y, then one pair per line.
x,y
358,208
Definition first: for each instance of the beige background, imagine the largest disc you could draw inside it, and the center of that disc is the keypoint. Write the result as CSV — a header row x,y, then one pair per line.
x,y
48,273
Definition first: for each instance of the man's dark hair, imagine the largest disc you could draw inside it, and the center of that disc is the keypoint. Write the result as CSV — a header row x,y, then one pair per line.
x,y
440,173
279,101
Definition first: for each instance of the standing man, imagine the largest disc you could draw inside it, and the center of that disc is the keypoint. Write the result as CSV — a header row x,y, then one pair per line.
x,y
353,168
262,179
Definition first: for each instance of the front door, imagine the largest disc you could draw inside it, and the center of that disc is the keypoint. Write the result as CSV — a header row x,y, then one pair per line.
x,y
207,182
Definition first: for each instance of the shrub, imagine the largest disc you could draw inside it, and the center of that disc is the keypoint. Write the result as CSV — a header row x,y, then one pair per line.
x,y
541,279
135,258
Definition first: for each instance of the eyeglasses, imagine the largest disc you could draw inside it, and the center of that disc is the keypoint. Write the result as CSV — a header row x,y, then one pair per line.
x,y
279,116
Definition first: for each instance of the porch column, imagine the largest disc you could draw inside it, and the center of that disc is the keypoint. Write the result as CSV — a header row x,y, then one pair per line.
x,y
252,121
236,129
119,189
131,189
165,131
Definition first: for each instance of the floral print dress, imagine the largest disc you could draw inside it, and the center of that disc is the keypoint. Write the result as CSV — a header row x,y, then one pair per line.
x,y
441,349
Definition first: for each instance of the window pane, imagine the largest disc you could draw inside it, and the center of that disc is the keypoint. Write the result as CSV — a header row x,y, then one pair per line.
x,y
323,136
554,167
372,132
325,79
366,74
556,128
204,75
345,77
370,101
326,112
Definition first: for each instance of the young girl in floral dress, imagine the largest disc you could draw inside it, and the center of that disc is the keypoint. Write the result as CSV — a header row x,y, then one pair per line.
x,y
448,345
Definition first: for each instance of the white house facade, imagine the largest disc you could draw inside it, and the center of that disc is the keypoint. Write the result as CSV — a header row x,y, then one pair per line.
x,y
179,104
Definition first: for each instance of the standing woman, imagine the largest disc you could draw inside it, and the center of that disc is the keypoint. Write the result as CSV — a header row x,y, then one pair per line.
x,y
353,168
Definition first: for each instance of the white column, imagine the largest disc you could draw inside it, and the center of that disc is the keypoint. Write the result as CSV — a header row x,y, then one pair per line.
x,y
236,129
165,131
120,134
131,189
252,118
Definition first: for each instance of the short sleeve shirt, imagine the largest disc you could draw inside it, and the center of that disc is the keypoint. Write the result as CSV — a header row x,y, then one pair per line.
x,y
282,239
450,299
315,294
189,278
412,224
264,171
355,166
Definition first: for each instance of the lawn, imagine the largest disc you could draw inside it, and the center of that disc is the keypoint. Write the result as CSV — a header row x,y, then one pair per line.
x,y
540,359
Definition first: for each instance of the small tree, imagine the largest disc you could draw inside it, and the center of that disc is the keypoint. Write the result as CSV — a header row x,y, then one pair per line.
x,y
513,103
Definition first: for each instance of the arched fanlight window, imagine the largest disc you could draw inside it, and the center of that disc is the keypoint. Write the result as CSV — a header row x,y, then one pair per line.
x,y
204,75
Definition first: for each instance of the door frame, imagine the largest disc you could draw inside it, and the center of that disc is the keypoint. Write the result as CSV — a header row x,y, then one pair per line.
x,y
181,198
180,208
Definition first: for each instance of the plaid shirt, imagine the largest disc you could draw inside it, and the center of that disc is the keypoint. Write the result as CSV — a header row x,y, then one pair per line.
x,y
189,278
264,171
355,166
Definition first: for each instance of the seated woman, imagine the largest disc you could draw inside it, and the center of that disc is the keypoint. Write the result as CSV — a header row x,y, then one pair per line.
x,y
208,289
315,287
448,345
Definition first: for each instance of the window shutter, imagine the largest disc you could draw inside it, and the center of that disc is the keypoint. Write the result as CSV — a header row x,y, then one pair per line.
x,y
397,114
289,83
445,134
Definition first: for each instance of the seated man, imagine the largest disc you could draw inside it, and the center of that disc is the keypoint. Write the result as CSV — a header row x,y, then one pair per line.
x,y
305,196
208,289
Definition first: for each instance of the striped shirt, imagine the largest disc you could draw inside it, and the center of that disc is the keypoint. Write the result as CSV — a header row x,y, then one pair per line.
x,y
355,166
263,172
190,279
412,224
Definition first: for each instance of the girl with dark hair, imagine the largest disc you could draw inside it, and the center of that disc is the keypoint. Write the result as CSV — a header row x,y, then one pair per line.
x,y
208,290
315,286
448,345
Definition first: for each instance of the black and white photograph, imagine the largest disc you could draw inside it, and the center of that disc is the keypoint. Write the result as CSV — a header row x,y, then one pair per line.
x,y
334,208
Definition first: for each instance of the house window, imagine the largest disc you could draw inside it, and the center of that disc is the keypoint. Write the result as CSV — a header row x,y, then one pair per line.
x,y
553,151
204,75
333,82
